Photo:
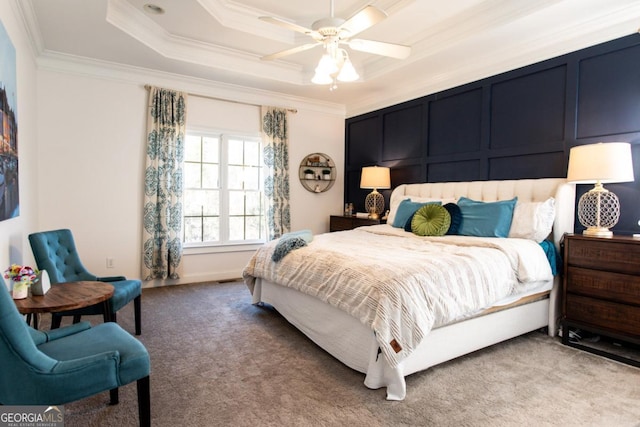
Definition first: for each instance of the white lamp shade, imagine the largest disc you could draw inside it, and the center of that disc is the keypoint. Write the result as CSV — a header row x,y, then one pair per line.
x,y
603,162
375,177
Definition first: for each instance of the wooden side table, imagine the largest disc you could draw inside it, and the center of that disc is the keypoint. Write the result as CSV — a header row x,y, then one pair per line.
x,y
601,292
67,296
341,223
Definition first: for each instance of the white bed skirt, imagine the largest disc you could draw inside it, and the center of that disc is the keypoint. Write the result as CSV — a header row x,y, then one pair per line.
x,y
353,344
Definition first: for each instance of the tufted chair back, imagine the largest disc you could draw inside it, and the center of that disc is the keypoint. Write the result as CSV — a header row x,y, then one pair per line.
x,y
55,251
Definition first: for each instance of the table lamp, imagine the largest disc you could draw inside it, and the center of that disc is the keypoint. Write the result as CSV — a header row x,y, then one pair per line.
x,y
375,177
599,208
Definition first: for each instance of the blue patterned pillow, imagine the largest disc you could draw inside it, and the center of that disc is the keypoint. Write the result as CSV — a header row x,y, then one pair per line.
x,y
486,219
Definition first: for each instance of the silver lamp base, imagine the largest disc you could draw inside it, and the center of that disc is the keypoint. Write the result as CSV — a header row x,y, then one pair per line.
x,y
374,203
598,232
598,210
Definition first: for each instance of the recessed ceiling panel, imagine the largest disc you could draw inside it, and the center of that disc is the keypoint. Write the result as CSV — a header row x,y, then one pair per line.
x,y
223,40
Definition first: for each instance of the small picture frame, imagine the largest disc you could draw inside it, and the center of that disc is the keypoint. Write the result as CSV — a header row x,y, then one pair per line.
x,y
42,285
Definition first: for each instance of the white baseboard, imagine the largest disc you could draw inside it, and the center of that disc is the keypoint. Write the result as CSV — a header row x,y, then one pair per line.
x,y
219,276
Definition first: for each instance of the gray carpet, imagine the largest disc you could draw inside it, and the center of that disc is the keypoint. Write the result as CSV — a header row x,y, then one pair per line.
x,y
217,360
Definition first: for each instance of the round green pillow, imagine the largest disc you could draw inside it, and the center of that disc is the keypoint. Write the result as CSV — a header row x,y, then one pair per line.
x,y
431,220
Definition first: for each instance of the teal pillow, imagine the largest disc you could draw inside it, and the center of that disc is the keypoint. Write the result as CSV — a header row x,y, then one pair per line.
x,y
406,208
431,220
486,219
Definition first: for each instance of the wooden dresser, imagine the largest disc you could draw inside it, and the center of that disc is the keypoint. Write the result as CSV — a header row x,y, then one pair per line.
x,y
601,292
341,223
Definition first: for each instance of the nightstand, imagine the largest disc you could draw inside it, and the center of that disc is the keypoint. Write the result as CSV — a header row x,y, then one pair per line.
x,y
601,292
341,223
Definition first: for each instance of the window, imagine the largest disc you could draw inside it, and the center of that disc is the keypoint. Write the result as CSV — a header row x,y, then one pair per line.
x,y
223,199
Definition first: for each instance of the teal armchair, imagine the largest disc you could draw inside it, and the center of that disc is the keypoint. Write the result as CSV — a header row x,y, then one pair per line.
x,y
55,251
68,364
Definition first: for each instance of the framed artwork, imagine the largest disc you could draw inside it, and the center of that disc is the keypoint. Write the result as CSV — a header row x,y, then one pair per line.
x,y
9,193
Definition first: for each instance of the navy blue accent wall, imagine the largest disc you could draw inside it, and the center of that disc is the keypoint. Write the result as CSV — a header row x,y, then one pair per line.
x,y
519,124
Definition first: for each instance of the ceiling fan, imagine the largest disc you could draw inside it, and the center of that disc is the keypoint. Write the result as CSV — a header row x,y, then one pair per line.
x,y
331,33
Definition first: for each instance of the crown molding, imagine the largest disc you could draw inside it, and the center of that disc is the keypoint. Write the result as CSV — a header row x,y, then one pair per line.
x,y
23,9
244,18
139,76
231,14
494,13
586,34
131,21
463,26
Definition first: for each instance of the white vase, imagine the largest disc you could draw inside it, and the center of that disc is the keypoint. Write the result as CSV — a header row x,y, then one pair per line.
x,y
19,291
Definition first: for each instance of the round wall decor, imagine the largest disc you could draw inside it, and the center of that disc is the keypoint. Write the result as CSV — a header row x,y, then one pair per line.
x,y
317,172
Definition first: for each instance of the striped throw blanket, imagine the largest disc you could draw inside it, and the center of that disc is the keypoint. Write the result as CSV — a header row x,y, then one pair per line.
x,y
401,285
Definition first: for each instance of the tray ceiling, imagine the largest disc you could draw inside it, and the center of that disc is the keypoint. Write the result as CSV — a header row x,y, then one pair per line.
x,y
452,42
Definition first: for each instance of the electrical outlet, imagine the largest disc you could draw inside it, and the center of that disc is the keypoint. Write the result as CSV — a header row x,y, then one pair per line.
x,y
109,262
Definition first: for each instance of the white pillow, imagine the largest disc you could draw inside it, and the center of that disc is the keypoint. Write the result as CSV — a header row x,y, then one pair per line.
x,y
533,220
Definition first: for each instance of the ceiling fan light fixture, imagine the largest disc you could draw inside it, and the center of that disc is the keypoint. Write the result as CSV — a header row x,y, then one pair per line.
x,y
327,65
322,79
332,32
348,73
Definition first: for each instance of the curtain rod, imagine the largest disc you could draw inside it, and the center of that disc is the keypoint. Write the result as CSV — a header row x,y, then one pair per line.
x,y
291,110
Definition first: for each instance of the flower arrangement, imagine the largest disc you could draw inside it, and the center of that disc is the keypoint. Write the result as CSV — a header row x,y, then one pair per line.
x,y
21,273
22,277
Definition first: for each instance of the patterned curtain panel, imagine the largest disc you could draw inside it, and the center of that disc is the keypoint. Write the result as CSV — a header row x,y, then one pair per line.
x,y
162,231
276,160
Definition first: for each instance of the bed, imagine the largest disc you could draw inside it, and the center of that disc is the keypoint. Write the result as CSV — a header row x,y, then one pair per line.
x,y
368,308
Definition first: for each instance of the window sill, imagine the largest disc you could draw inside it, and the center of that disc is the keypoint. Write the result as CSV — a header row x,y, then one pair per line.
x,y
212,249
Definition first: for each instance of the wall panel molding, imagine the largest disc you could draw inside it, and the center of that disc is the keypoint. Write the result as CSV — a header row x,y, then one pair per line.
x,y
609,95
514,125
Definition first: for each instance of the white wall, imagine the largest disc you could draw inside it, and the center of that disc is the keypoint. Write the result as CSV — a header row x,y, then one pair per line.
x,y
14,245
316,133
91,136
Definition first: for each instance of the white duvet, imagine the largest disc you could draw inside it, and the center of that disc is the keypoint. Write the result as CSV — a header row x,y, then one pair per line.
x,y
401,285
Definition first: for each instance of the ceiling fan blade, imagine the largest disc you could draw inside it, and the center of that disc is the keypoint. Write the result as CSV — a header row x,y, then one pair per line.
x,y
289,25
367,17
380,48
291,51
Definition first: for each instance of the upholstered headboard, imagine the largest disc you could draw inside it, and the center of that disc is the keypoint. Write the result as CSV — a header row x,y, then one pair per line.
x,y
527,190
